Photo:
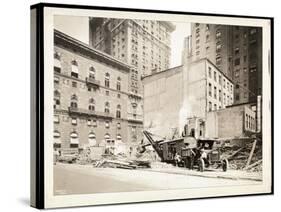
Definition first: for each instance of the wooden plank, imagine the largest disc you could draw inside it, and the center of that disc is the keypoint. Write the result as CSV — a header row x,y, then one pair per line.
x,y
234,153
251,154
254,164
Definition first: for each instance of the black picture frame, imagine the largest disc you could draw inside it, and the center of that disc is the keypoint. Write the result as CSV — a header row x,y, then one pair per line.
x,y
37,95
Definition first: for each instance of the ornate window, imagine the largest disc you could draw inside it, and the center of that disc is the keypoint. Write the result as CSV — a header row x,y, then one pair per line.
x,y
74,101
118,86
106,81
107,107
74,69
91,104
92,72
118,111
56,99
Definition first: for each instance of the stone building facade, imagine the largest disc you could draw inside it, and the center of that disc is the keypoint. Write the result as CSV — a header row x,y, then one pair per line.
x,y
92,102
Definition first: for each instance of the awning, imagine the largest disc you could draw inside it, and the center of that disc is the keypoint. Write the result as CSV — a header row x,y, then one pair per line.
x,y
92,135
107,136
74,135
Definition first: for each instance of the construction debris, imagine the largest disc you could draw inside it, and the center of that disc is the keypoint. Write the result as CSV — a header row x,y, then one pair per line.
x,y
248,157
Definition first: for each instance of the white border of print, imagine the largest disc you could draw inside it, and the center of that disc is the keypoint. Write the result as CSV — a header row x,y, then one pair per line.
x,y
52,201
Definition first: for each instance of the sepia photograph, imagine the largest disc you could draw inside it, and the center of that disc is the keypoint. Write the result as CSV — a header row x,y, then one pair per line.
x,y
144,106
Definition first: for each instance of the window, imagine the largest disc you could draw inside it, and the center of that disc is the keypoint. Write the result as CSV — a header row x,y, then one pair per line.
x,y
215,92
107,93
92,139
57,62
220,95
237,62
210,106
107,126
218,60
74,121
74,141
74,84
210,72
73,101
118,111
218,47
215,76
207,27
220,79
56,99
74,69
223,83
91,104
215,106
118,125
56,80
106,82
236,51
95,123
237,72
92,73
118,85
210,89
56,119
237,97
118,95
107,107
89,122
245,58
218,34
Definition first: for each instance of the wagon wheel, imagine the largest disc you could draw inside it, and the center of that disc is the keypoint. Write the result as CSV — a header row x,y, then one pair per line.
x,y
201,165
224,165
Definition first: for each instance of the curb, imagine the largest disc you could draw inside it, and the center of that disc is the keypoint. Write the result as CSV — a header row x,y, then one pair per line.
x,y
206,176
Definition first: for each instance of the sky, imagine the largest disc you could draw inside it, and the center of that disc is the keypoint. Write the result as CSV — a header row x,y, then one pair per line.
x,y
78,27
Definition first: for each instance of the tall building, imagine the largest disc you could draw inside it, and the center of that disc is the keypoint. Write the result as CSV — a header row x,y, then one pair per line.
x,y
144,44
92,102
235,50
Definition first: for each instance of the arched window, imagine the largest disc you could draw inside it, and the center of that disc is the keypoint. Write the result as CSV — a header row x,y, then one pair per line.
x,y
74,141
118,85
56,99
92,104
118,111
74,101
119,137
106,81
107,107
57,141
92,72
74,69
92,139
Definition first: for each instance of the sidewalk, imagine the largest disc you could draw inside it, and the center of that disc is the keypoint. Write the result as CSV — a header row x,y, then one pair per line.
x,y
230,174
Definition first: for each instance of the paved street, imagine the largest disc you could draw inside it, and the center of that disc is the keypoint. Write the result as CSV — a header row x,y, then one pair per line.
x,y
78,179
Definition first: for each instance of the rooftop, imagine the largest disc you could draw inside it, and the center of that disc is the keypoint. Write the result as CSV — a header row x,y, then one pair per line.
x,y
62,39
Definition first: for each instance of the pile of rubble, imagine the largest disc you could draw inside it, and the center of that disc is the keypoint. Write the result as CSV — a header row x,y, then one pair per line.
x,y
240,158
104,159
